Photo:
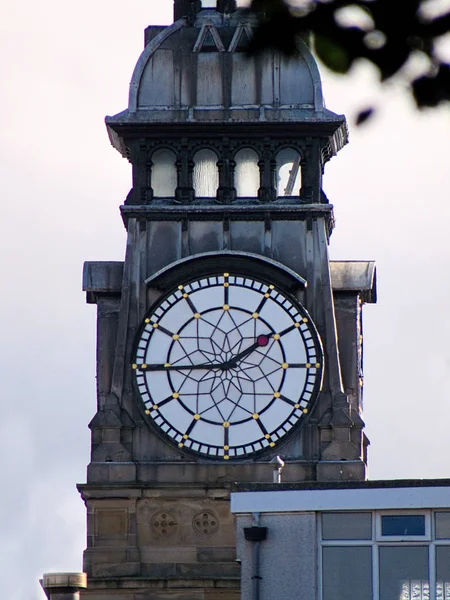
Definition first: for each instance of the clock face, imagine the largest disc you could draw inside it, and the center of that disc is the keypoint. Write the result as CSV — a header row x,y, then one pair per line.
x,y
227,365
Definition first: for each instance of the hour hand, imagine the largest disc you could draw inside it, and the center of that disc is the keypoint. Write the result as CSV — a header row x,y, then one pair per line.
x,y
261,341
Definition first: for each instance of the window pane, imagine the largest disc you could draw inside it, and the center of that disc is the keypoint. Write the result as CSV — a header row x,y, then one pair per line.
x,y
347,526
164,173
403,525
288,172
246,174
442,572
404,572
442,521
206,175
347,573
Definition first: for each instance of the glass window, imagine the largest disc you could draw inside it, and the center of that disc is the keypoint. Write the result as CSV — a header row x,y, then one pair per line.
x,y
347,526
442,572
442,522
404,572
164,173
246,174
206,174
347,572
402,525
289,178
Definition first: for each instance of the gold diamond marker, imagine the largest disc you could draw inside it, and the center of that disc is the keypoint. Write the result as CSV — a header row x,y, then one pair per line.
x,y
308,365
226,284
180,445
272,444
197,316
147,321
277,394
134,366
155,407
276,336
155,325
180,287
185,295
296,405
226,424
305,410
175,395
305,320
175,336
226,307
271,287
147,412
266,295
226,457
197,417
255,416
255,315
317,365
144,366
226,274
167,365
185,437
297,325
267,436
226,447
284,365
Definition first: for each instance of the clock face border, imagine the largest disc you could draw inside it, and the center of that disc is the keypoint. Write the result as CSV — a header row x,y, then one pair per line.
x,y
300,407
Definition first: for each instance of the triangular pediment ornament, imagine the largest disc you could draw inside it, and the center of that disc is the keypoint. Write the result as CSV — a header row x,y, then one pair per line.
x,y
241,38
209,40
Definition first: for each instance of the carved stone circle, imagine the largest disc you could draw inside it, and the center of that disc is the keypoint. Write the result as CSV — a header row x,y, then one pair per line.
x,y
163,523
205,523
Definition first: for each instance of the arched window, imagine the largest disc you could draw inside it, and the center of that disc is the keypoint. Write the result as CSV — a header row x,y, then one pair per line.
x,y
164,173
246,174
289,174
206,174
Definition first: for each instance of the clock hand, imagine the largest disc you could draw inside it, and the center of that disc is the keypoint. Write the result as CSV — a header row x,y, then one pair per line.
x,y
261,340
168,367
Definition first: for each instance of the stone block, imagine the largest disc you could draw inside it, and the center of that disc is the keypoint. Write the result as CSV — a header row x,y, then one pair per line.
x,y
112,524
105,472
344,470
216,554
169,555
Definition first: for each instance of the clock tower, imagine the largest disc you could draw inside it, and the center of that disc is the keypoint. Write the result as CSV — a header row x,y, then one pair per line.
x,y
226,338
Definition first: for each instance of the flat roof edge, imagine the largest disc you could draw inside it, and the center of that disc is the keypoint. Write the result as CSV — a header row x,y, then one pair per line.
x,y
314,500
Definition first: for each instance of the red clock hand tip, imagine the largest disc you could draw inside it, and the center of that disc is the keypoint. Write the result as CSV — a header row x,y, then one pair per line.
x,y
262,340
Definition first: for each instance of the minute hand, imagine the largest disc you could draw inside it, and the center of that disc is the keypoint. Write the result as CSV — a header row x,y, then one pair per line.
x,y
204,366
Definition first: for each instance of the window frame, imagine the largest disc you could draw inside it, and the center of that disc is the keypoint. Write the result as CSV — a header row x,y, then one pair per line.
x,y
428,539
436,539
403,538
153,171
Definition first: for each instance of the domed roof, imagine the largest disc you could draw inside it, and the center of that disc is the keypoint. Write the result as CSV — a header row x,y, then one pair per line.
x,y
198,72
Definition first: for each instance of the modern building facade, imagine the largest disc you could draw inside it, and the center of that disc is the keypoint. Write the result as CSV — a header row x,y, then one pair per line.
x,y
371,540
227,339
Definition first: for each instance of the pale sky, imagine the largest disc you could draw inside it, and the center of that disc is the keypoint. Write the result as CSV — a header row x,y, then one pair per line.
x,y
64,66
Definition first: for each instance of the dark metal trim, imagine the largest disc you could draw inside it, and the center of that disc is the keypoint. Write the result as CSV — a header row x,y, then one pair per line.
x,y
246,263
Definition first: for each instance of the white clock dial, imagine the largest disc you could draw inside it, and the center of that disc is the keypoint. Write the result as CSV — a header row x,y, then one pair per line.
x,y
227,365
